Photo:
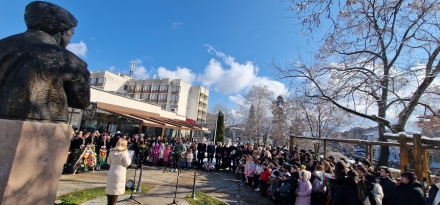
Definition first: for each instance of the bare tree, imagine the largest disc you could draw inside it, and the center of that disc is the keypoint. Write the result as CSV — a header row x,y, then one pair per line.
x,y
319,118
261,98
231,117
385,54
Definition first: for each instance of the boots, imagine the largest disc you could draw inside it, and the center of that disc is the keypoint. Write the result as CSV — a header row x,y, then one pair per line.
x,y
112,199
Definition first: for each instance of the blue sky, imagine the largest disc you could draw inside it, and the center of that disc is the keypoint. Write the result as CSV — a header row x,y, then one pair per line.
x,y
226,46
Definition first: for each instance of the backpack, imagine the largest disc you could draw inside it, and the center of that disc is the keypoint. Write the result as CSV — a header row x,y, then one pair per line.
x,y
285,189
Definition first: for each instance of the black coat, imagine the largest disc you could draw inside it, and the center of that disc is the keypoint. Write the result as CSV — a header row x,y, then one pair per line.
x,y
211,150
201,149
388,187
218,152
346,192
408,194
432,193
230,149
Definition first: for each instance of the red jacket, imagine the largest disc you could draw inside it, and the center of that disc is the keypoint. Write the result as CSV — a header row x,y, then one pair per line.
x,y
264,176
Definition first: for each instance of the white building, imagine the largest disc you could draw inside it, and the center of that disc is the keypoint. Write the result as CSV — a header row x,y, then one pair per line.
x,y
109,81
174,95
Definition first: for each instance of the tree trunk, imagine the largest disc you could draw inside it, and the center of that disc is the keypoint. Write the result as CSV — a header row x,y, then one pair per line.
x,y
384,150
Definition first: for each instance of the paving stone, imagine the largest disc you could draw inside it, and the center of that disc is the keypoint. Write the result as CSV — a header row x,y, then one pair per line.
x,y
222,185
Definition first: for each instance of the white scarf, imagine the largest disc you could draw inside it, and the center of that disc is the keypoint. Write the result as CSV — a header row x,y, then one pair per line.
x,y
437,197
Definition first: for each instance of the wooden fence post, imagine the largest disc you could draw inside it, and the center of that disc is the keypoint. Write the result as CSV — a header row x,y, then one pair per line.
x,y
325,149
426,166
370,152
291,144
418,161
403,153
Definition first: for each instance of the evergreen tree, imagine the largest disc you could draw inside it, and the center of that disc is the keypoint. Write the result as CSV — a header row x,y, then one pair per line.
x,y
220,132
279,123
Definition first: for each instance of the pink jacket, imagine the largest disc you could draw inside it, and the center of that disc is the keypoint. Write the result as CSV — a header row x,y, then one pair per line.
x,y
166,155
156,149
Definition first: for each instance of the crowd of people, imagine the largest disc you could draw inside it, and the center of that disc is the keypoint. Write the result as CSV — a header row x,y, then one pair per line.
x,y
299,177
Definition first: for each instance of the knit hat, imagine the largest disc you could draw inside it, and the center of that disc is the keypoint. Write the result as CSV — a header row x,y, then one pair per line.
x,y
303,167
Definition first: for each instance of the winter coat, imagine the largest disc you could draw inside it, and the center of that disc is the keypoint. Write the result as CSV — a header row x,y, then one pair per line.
x,y
304,189
264,176
211,150
161,150
408,194
201,149
189,157
376,195
432,194
156,149
166,155
118,161
218,152
249,169
346,192
178,149
388,187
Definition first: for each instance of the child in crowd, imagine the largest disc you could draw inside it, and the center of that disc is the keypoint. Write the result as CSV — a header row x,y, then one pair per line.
x,y
264,178
189,158
156,153
249,170
150,154
161,152
182,162
166,155
102,158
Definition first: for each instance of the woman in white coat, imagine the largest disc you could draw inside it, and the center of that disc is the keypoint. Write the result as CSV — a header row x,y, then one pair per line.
x,y
118,160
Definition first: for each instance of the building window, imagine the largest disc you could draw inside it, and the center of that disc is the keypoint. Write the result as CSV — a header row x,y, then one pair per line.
x,y
155,87
163,106
139,88
101,80
146,96
163,97
147,87
173,107
92,80
137,96
130,95
176,88
131,87
154,96
164,87
174,98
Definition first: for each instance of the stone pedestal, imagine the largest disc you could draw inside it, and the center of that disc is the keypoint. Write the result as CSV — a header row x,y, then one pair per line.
x,y
32,155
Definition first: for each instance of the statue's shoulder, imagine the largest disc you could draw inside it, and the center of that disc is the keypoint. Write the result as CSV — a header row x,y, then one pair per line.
x,y
39,46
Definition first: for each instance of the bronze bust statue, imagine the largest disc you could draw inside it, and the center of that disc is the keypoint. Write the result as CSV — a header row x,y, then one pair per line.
x,y
39,77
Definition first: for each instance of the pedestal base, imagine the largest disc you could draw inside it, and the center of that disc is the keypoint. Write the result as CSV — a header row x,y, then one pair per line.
x,y
32,155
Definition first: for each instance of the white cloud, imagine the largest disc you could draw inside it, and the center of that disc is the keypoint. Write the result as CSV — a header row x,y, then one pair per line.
x,y
237,99
176,25
229,76
180,73
79,49
140,71
112,68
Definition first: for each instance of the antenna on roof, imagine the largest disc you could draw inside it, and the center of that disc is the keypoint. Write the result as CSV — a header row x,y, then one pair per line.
x,y
132,67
